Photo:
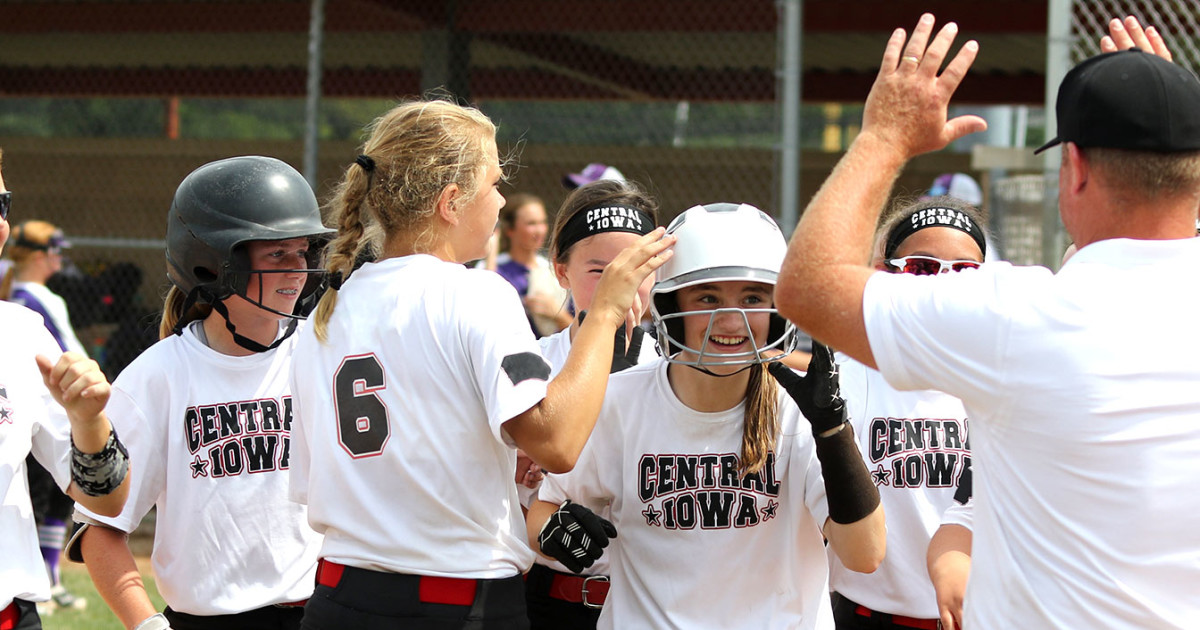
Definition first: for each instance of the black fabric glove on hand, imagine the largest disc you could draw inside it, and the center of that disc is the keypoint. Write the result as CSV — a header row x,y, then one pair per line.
x,y
575,536
623,358
817,393
626,358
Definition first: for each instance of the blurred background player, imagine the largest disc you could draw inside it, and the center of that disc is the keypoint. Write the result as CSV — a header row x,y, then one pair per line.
x,y
593,172
596,223
36,255
208,411
521,262
915,443
718,489
58,417
436,362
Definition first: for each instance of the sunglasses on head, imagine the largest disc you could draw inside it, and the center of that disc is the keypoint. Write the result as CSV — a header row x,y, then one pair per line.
x,y
928,265
5,204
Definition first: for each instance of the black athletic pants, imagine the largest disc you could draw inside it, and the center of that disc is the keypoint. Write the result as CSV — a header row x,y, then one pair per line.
x,y
265,618
550,613
20,615
373,600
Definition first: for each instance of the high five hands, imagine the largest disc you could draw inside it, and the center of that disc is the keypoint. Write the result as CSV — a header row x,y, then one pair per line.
x,y
907,108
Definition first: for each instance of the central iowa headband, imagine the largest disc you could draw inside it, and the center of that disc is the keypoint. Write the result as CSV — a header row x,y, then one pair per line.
x,y
935,217
609,217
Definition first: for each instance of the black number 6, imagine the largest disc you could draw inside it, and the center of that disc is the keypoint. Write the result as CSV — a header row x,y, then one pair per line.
x,y
363,426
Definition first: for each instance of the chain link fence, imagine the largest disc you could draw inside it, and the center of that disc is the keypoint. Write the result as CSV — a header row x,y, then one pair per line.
x,y
105,105
1018,200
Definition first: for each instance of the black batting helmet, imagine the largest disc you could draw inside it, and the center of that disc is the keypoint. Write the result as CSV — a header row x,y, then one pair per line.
x,y
221,206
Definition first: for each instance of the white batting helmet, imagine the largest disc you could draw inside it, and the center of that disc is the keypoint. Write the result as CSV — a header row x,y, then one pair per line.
x,y
720,242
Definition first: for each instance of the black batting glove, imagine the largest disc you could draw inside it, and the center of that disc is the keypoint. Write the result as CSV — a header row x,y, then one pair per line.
x,y
575,536
623,357
817,393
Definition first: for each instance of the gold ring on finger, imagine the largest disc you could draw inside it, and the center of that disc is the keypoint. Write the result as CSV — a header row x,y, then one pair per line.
x,y
912,58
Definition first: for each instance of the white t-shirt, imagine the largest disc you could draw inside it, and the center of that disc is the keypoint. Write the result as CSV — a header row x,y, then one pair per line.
x,y
700,546
208,437
56,309
400,453
555,349
1082,388
961,515
915,446
30,420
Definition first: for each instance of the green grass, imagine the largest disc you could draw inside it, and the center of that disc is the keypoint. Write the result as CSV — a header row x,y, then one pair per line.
x,y
96,616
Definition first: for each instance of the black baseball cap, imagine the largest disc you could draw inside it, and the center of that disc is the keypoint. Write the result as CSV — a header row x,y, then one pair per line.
x,y
1129,100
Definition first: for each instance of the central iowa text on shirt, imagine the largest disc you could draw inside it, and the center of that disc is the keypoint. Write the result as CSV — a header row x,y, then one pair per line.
x,y
244,434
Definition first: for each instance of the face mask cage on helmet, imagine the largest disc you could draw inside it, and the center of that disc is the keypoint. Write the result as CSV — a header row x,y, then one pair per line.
x,y
238,274
669,325
720,242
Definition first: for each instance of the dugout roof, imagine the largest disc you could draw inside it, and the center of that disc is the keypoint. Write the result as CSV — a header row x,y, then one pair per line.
x,y
697,50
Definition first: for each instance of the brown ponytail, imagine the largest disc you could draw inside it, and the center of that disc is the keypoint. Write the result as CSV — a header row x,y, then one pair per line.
x,y
761,424
173,312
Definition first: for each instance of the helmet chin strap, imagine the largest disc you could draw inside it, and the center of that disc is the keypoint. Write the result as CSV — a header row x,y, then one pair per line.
x,y
195,295
247,342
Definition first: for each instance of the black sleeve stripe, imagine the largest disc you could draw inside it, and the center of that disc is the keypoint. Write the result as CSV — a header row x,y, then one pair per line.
x,y
524,366
964,486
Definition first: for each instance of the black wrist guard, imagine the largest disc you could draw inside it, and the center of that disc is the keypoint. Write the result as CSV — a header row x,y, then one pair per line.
x,y
849,492
97,474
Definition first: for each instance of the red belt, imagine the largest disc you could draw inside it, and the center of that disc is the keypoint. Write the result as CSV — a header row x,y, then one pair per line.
x,y
431,589
591,590
9,616
899,620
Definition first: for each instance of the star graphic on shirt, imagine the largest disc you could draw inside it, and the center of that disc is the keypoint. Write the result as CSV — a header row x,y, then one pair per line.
x,y
652,516
5,415
769,511
881,476
199,468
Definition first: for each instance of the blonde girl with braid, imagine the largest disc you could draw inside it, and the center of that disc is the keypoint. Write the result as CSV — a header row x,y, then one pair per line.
x,y
420,378
722,485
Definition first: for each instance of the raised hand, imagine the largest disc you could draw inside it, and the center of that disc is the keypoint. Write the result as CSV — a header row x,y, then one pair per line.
x,y
1130,34
616,293
908,104
818,393
77,384
575,536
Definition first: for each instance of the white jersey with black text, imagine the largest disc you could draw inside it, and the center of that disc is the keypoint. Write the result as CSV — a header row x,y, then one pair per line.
x,y
1082,392
30,421
401,455
700,544
209,444
555,349
916,447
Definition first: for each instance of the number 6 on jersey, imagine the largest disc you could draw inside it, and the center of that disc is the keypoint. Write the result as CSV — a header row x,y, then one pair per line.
x,y
363,424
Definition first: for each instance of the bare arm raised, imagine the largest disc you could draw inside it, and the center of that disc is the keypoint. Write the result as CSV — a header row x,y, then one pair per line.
x,y
906,114
554,431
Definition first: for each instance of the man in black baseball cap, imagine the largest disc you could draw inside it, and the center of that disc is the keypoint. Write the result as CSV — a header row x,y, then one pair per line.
x,y
1129,100
1080,385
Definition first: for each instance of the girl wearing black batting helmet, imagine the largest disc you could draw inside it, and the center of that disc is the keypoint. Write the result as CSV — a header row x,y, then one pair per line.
x,y
208,411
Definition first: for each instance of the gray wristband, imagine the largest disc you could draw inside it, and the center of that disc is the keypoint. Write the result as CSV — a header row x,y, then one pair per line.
x,y
98,474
